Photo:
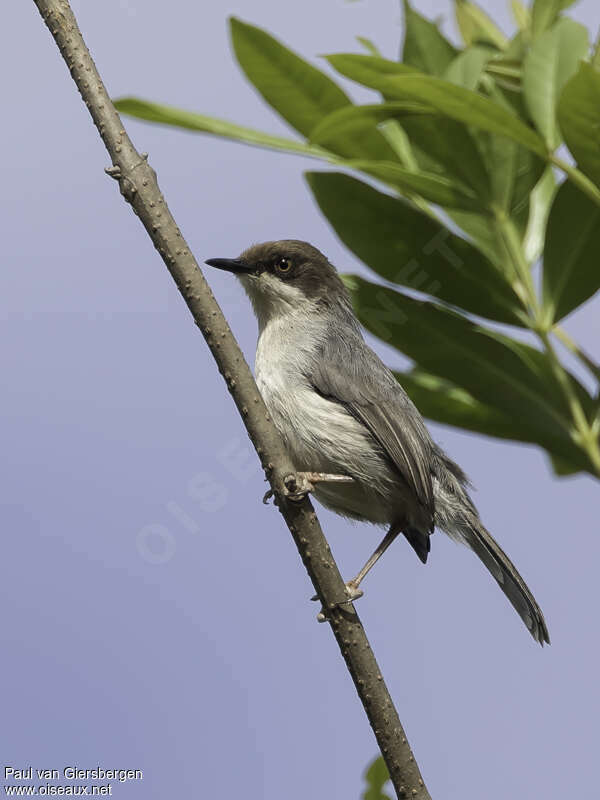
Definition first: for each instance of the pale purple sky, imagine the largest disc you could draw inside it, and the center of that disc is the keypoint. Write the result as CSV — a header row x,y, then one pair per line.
x,y
200,661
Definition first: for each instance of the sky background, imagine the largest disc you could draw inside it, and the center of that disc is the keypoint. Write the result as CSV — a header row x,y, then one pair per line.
x,y
156,614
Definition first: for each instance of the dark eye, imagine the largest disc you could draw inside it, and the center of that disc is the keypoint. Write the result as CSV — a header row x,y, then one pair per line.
x,y
283,265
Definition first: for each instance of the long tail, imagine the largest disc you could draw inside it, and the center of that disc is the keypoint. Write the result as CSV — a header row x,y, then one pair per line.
x,y
508,578
457,516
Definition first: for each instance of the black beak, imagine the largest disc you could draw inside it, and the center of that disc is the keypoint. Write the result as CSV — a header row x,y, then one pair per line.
x,y
229,264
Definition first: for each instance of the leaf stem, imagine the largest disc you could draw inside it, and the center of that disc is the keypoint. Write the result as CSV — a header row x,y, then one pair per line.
x,y
577,351
397,139
525,287
586,185
584,434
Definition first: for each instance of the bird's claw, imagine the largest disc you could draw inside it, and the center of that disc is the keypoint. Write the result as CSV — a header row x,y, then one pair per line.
x,y
353,594
297,486
267,496
353,591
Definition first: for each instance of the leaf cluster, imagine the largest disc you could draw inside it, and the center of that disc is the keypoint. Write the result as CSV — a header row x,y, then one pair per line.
x,y
449,187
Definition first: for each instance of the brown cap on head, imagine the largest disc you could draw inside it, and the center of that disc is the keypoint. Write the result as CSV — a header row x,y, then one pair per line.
x,y
292,261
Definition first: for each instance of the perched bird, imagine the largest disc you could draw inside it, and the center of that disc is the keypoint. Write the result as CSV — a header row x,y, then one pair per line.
x,y
348,424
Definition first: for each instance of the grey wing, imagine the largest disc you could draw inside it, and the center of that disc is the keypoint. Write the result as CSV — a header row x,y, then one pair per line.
x,y
349,372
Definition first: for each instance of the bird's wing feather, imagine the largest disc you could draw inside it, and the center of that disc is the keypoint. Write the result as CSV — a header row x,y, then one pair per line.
x,y
348,371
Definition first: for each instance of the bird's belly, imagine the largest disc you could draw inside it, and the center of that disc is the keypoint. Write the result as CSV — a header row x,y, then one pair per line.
x,y
321,436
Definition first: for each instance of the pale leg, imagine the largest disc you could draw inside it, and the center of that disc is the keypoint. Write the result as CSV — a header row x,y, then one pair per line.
x,y
299,484
352,585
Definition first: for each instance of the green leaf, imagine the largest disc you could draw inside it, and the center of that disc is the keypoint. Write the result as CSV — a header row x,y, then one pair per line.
x,y
406,246
467,68
514,171
453,101
579,119
368,69
510,171
562,468
507,74
396,137
451,146
540,203
425,47
176,117
368,45
447,144
376,776
571,261
430,186
516,48
596,56
521,14
299,92
528,171
444,402
544,13
552,59
340,122
476,26
498,371
501,154
484,235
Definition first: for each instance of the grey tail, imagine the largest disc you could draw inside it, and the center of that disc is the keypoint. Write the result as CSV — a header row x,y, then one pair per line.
x,y
457,516
506,574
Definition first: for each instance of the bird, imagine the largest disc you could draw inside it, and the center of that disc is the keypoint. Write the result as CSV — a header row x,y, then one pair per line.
x,y
357,441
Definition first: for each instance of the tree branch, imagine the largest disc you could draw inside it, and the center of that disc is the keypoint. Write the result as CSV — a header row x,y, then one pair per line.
x,y
137,181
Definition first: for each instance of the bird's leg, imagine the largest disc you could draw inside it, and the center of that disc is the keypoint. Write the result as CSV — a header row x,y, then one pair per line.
x,y
352,586
299,484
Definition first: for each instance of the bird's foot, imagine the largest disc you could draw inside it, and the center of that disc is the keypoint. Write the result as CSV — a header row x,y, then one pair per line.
x,y
353,594
299,484
353,591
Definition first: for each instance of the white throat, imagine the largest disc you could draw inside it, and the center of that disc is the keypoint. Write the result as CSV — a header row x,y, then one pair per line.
x,y
273,299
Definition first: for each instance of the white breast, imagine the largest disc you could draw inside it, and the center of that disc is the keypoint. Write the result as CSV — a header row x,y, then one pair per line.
x,y
319,433
282,363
